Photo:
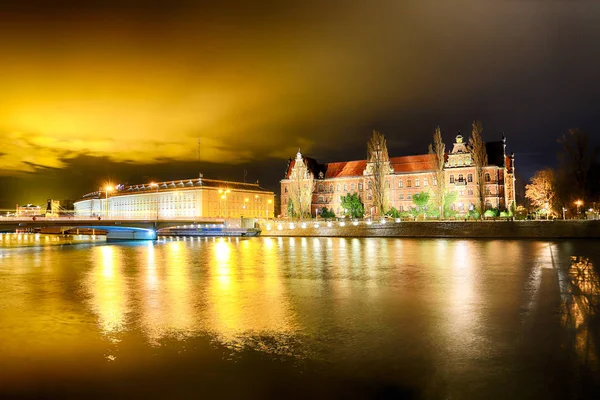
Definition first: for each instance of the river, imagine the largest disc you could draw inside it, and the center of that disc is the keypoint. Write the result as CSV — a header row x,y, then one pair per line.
x,y
295,318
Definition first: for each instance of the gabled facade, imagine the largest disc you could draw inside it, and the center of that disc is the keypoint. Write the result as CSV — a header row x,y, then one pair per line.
x,y
408,176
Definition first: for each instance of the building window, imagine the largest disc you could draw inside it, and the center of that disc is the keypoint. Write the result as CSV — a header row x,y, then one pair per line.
x,y
461,178
461,192
331,188
360,186
369,196
401,208
285,189
470,178
409,196
417,182
338,187
387,184
470,192
352,187
425,181
320,199
400,184
451,178
401,197
345,187
434,181
488,205
408,183
488,192
370,184
487,177
320,187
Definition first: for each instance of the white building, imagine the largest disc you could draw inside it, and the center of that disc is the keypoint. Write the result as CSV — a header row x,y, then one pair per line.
x,y
179,199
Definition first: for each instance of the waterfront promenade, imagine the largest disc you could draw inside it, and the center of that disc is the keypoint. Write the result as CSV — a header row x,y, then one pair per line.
x,y
435,229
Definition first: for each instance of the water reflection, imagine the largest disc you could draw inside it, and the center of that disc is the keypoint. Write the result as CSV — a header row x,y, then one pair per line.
x,y
437,313
581,305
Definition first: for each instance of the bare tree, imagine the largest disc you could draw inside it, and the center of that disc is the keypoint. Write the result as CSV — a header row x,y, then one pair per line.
x,y
378,168
301,187
480,160
577,158
438,148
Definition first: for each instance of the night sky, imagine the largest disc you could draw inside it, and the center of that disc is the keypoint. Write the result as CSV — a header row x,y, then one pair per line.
x,y
123,91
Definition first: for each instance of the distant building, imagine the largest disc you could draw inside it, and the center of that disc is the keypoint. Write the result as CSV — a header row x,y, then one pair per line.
x,y
180,198
408,176
28,210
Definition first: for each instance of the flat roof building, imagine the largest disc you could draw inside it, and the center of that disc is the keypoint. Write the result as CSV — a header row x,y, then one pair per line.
x,y
183,198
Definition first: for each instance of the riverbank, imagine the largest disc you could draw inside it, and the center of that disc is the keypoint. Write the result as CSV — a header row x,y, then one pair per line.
x,y
436,229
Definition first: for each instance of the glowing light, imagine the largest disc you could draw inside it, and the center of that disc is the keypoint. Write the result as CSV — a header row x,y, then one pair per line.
x,y
268,227
279,226
369,222
303,225
354,223
397,220
329,224
292,226
342,223
382,220
316,224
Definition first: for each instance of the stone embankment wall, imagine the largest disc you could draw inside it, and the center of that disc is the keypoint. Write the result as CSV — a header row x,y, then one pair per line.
x,y
450,229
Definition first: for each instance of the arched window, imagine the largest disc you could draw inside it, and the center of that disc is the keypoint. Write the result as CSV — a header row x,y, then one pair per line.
x,y
451,178
470,178
408,183
353,187
400,184
320,187
417,182
285,189
345,187
470,192
331,188
338,187
488,205
488,192
370,185
461,178
487,177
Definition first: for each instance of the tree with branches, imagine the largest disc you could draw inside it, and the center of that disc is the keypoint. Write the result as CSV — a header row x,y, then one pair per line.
x,y
438,148
576,159
378,168
301,186
542,192
480,160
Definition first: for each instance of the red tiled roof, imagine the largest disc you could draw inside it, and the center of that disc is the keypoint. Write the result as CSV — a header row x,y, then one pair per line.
x,y
420,163
345,169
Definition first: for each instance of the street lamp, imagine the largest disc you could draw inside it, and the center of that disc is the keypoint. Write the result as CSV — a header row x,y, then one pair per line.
x,y
108,188
155,185
578,203
564,211
223,193
268,205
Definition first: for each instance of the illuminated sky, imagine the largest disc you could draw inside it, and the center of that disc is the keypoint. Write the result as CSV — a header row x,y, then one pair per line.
x,y
124,90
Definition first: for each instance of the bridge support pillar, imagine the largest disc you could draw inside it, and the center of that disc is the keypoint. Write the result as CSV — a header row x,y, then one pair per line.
x,y
137,234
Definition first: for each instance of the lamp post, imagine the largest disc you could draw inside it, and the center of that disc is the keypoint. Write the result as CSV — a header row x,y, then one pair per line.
x,y
564,211
155,185
107,189
223,193
578,203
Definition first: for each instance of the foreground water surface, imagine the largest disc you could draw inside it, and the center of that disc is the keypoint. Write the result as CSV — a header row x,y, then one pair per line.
x,y
296,318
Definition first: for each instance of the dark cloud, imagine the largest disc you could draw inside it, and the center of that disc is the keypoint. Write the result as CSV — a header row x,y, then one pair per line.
x,y
136,84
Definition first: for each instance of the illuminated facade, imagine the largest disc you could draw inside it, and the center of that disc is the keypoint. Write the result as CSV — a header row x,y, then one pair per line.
x,y
179,199
408,176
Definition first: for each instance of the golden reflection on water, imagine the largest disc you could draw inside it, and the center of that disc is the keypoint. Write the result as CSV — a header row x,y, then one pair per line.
x,y
581,307
109,291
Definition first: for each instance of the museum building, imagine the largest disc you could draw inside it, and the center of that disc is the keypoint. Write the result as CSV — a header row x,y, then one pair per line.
x,y
408,175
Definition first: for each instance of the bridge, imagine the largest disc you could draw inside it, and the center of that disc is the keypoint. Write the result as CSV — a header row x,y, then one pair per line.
x,y
116,228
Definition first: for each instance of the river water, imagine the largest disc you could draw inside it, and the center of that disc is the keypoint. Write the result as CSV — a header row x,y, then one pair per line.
x,y
295,318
